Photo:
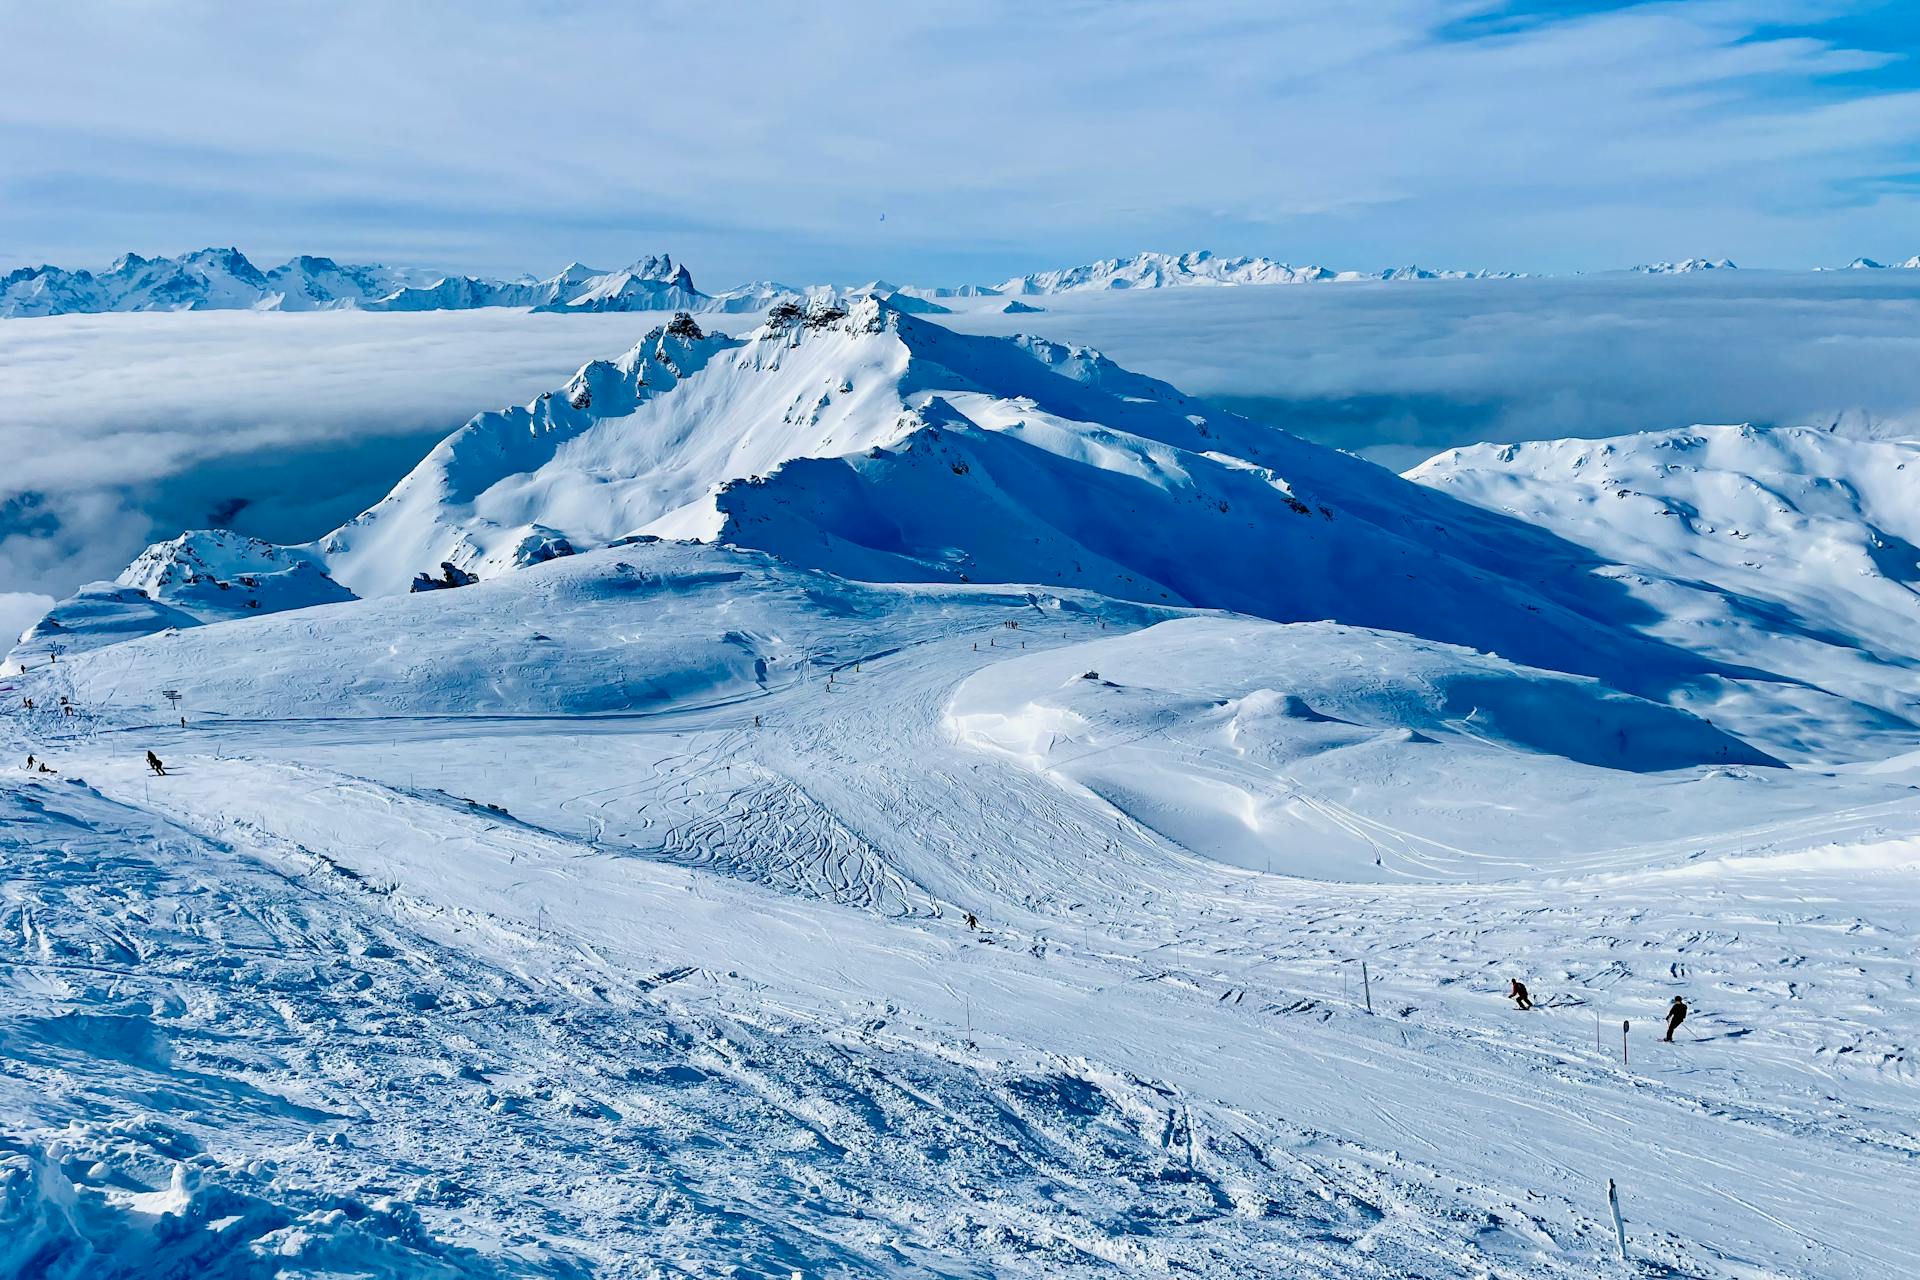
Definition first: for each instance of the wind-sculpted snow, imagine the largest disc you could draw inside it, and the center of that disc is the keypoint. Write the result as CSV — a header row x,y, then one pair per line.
x,y
1266,746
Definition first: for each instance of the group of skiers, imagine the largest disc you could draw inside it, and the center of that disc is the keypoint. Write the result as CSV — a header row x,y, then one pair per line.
x,y
1676,1012
36,765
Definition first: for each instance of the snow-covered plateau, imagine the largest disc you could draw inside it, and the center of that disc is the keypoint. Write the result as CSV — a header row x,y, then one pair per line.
x,y
843,795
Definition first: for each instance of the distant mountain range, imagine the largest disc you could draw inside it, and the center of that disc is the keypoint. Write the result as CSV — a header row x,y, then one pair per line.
x,y
1868,264
1687,267
225,280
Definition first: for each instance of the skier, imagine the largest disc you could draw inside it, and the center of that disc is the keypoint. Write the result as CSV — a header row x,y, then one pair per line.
x,y
1517,992
29,762
43,768
153,763
1676,1014
973,922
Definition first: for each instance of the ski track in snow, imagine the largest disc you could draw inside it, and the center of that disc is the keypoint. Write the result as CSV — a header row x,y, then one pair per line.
x,y
697,994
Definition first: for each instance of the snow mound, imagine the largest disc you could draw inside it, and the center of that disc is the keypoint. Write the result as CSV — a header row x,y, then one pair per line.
x,y
636,629
208,575
1244,740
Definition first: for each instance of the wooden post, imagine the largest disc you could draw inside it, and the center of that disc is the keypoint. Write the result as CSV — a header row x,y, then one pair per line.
x,y
1624,1025
1367,984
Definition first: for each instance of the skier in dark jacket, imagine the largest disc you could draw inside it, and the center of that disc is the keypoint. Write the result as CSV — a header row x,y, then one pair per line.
x,y
1517,992
1676,1014
153,763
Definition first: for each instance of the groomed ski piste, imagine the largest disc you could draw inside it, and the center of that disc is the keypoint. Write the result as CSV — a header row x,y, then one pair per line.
x,y
732,908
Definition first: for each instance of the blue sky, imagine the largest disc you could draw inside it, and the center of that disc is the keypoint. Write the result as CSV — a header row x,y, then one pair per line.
x,y
945,143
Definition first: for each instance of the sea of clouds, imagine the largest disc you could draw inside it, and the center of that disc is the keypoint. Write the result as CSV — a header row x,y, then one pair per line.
x,y
120,429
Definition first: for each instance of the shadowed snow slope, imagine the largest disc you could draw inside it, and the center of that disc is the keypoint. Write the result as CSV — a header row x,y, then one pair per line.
x,y
1789,548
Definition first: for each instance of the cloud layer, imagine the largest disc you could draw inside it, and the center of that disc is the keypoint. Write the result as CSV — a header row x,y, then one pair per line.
x,y
1401,371
120,429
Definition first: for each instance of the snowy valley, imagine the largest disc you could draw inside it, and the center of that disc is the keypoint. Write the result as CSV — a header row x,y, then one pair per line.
x,y
851,796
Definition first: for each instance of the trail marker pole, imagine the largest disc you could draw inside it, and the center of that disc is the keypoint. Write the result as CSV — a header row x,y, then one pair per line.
x,y
1366,984
1619,1224
1624,1026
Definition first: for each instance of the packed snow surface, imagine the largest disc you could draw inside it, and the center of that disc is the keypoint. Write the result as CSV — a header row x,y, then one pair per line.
x,y
610,917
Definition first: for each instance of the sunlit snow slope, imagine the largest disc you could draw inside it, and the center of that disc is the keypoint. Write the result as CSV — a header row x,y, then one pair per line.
x,y
608,917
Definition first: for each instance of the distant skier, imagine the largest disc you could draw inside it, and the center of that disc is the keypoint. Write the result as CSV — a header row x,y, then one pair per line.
x,y
973,922
29,762
153,763
1676,1014
43,768
1517,992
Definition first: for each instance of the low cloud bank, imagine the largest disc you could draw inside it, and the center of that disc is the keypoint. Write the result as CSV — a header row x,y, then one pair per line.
x,y
120,429
1402,371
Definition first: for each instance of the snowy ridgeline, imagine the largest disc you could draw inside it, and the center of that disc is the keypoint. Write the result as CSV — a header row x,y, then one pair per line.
x,y
858,798
225,279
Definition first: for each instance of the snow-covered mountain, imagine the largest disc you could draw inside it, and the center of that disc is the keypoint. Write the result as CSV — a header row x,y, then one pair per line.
x,y
209,575
1686,267
1869,264
1201,267
874,445
653,283
209,279
1791,548
871,444
224,279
